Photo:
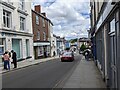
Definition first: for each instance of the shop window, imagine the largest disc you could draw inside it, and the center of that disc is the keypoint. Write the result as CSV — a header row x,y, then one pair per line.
x,y
2,46
40,51
16,46
27,47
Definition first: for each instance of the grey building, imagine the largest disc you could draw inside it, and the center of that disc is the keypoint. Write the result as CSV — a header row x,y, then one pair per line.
x,y
105,37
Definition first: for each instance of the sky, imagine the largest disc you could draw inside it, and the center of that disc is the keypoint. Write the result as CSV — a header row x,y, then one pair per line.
x,y
70,17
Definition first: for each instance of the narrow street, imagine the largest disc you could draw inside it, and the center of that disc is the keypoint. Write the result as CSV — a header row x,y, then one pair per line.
x,y
43,75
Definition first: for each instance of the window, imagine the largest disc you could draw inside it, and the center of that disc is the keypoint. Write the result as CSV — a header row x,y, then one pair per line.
x,y
21,4
22,23
37,19
44,36
40,51
38,35
2,44
6,18
43,21
112,25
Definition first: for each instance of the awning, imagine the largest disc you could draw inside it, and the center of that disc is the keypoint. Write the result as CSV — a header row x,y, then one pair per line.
x,y
42,44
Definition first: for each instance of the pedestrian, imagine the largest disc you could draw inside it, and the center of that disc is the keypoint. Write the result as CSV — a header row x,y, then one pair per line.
x,y
14,57
59,53
86,53
54,53
10,56
45,54
6,61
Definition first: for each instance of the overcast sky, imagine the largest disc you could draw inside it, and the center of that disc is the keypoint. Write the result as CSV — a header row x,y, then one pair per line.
x,y
70,17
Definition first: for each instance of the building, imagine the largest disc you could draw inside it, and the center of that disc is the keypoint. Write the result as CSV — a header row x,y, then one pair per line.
x,y
41,29
16,28
105,37
53,44
67,44
60,44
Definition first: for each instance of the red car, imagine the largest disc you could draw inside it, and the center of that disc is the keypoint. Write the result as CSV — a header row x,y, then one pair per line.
x,y
67,56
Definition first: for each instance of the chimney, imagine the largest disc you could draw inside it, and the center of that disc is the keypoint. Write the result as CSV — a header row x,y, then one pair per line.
x,y
44,14
38,8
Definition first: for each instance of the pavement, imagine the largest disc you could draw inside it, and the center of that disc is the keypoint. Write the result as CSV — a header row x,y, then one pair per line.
x,y
85,75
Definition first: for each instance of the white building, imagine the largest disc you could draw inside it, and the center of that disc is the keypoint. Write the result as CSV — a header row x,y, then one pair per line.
x,y
53,44
16,28
52,39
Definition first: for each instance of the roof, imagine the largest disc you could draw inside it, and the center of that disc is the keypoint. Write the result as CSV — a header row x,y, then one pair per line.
x,y
41,15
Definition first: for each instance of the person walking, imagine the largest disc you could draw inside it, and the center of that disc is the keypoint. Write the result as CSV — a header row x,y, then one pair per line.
x,y
54,54
6,61
14,57
86,53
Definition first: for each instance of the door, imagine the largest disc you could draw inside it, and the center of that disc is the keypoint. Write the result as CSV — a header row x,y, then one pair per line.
x,y
113,61
113,54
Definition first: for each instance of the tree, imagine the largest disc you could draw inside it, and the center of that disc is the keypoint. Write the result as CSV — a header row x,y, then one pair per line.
x,y
83,47
73,40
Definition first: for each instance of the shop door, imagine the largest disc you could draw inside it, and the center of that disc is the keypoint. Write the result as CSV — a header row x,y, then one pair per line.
x,y
113,61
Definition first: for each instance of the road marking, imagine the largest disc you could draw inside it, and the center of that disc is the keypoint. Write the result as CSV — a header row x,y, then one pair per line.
x,y
62,82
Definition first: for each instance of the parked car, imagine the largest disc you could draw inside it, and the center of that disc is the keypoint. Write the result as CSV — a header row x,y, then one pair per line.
x,y
67,56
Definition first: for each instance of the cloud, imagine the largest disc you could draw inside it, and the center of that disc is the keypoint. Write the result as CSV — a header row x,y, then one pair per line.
x,y
70,18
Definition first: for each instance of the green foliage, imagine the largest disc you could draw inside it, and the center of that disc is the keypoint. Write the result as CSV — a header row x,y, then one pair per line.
x,y
73,40
83,47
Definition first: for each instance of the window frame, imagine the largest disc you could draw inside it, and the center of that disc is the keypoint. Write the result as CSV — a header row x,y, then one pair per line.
x,y
2,45
43,22
22,4
37,19
6,19
44,36
22,23
38,35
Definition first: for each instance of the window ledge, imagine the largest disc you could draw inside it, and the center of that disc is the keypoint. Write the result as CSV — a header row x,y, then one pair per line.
x,y
10,5
112,33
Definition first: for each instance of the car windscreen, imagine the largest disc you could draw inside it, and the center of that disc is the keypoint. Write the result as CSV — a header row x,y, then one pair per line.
x,y
69,54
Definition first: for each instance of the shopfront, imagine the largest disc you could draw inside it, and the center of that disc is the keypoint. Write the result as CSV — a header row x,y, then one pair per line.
x,y
108,44
40,48
20,43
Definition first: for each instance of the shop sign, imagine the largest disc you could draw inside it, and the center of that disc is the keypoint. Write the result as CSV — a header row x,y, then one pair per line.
x,y
8,34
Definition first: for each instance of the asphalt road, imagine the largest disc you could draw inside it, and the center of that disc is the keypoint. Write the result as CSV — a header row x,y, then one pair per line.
x,y
43,75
